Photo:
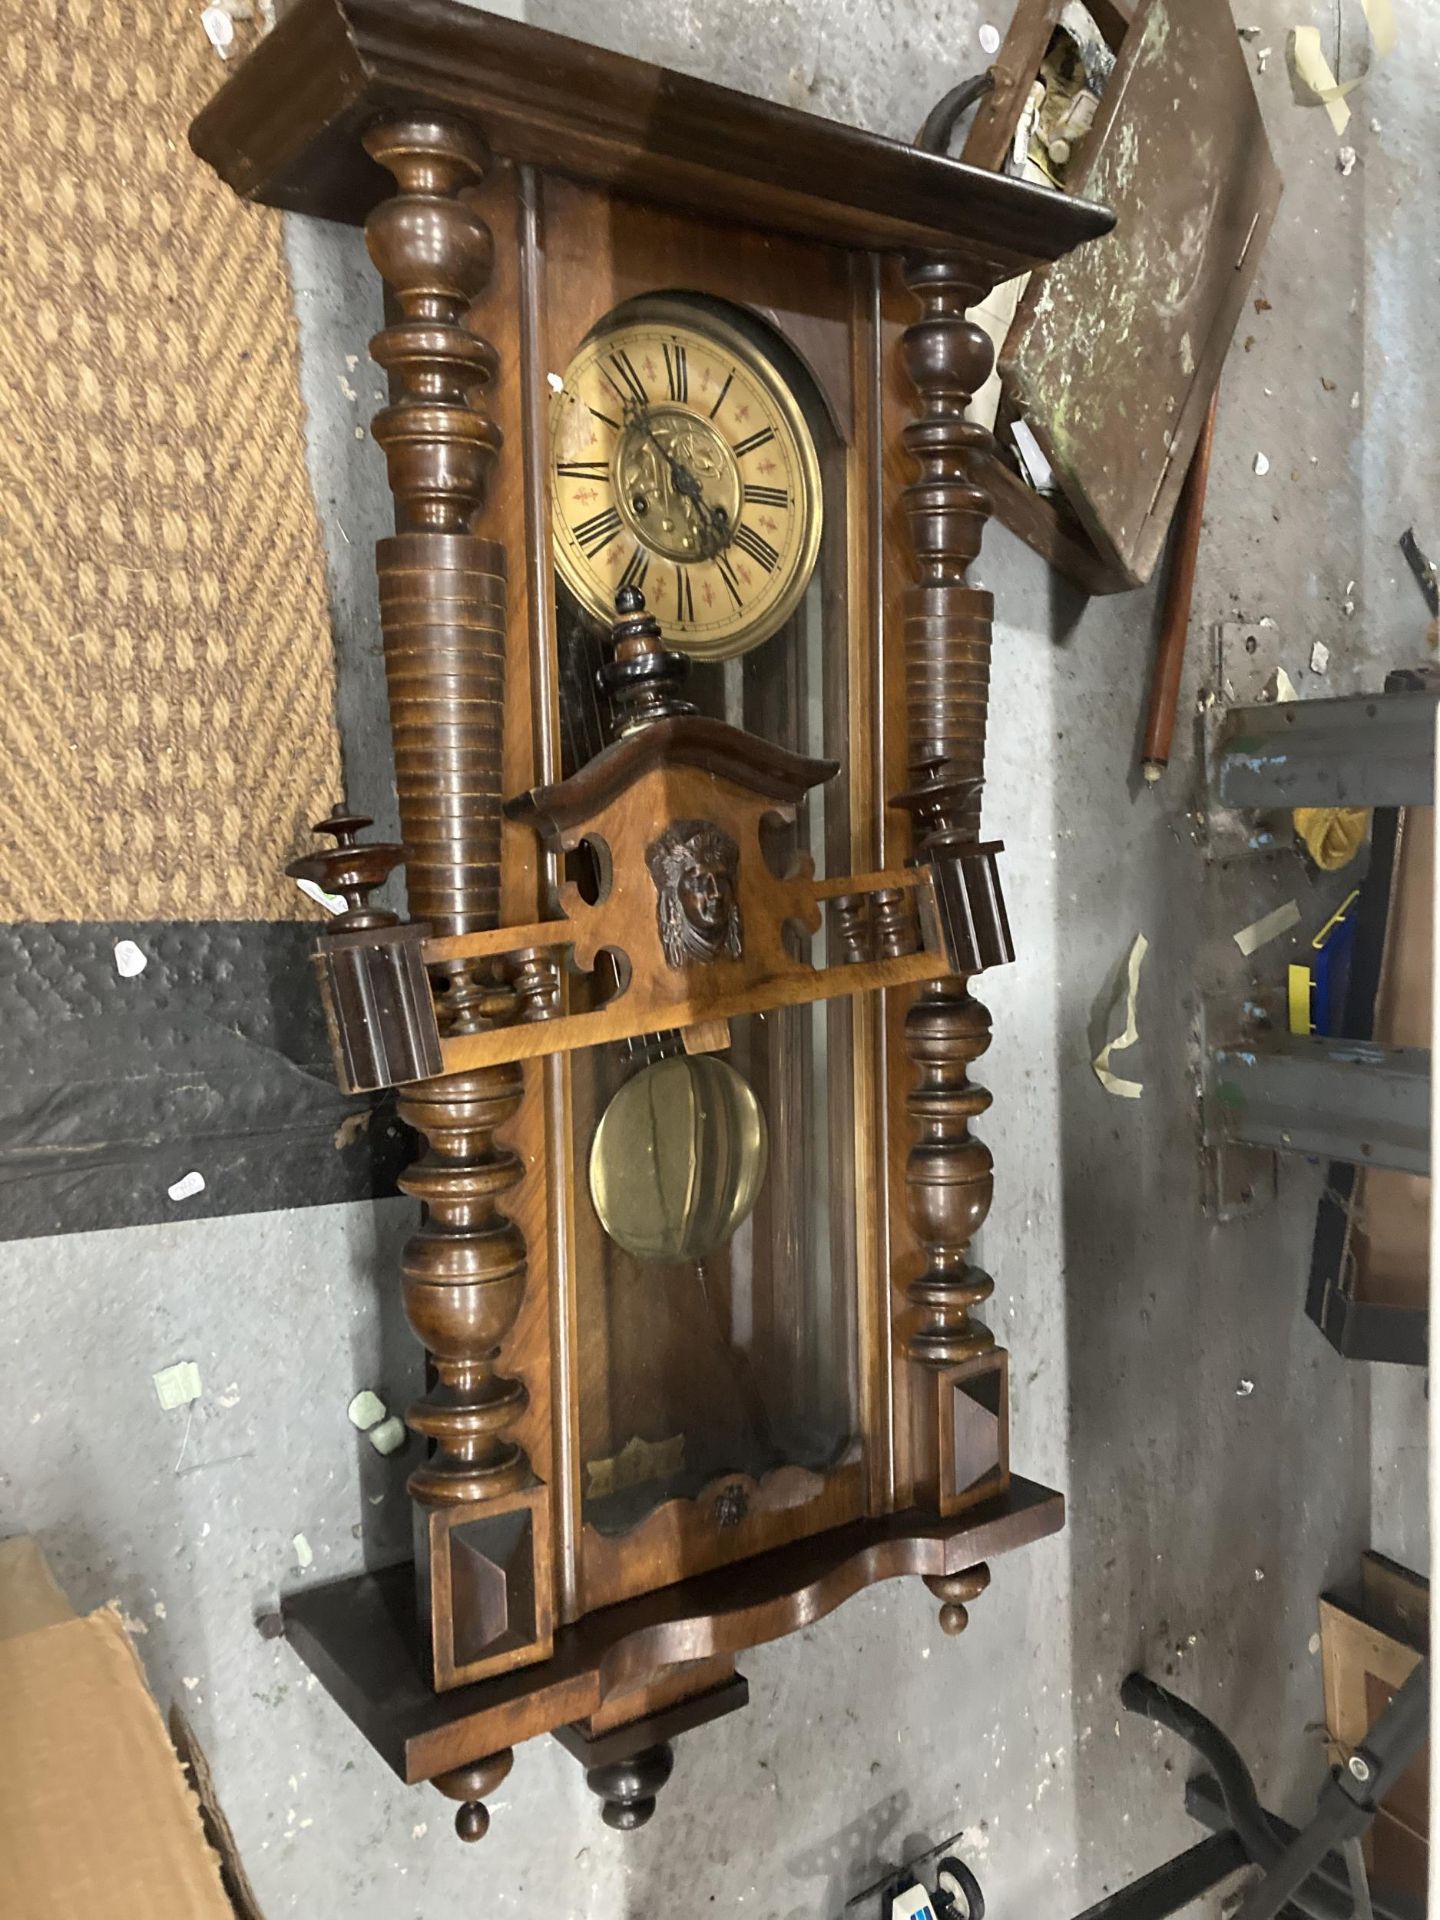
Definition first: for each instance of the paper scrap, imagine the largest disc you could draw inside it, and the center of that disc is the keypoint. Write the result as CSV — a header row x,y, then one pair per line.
x,y
1245,1389
130,962
127,1620
1346,160
1268,927
331,902
1262,464
187,1186
989,38
177,1386
1262,58
1130,1032
366,1410
219,29
389,1436
1319,657
304,1552
1279,688
1314,69
1038,470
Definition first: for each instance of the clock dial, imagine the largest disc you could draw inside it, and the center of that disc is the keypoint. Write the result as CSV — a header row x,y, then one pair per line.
x,y
682,465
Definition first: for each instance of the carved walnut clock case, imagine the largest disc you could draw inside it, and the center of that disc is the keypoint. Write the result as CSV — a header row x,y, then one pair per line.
x,y
688,695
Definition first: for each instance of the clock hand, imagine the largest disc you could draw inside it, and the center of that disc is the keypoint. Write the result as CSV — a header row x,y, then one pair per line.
x,y
714,519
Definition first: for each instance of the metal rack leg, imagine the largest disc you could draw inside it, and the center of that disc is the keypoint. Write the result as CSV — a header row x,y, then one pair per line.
x,y
1171,1888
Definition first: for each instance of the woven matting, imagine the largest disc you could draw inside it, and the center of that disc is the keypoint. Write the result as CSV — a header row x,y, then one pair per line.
x,y
166,670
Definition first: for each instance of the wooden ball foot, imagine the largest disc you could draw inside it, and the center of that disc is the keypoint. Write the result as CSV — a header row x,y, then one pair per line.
x,y
468,1785
955,1589
628,1787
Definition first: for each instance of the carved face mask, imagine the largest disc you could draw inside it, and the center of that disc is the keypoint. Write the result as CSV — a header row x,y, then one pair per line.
x,y
693,865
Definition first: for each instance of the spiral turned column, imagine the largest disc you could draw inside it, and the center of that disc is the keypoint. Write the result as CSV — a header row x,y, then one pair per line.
x,y
946,629
443,610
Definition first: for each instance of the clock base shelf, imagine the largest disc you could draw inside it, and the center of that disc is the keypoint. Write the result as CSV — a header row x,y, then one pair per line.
x,y
362,1637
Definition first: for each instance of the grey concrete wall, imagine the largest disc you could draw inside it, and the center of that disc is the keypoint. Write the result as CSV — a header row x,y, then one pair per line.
x,y
1203,1524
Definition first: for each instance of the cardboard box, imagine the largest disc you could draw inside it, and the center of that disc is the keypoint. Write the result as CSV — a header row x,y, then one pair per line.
x,y
96,1816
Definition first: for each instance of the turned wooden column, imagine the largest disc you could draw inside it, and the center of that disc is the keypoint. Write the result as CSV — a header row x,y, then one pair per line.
x,y
481,1534
959,1401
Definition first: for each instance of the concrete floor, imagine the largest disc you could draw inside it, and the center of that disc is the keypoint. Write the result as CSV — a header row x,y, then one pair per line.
x,y
1203,1524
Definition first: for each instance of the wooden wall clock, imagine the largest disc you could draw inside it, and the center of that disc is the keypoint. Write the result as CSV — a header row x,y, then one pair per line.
x,y
688,692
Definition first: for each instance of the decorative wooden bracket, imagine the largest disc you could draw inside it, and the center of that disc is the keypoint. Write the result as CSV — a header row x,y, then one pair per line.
x,y
698,925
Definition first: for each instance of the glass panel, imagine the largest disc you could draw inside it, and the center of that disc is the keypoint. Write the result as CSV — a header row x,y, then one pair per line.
x,y
740,1360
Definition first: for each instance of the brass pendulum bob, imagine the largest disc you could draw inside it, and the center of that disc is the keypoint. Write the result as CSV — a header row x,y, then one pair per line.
x,y
679,1157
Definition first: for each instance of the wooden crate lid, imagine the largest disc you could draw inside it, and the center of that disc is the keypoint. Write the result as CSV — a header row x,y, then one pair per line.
x,y
1116,351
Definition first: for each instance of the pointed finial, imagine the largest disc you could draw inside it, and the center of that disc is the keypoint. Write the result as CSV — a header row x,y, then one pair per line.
x,y
643,678
350,869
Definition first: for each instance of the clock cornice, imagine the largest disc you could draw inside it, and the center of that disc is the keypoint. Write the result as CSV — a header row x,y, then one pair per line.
x,y
285,128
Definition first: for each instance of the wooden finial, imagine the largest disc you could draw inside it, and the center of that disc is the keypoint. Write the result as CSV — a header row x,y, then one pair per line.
x,y
350,869
468,1785
628,1787
957,1590
643,677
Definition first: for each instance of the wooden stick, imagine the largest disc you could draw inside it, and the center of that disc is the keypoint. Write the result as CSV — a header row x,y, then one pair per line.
x,y
1179,592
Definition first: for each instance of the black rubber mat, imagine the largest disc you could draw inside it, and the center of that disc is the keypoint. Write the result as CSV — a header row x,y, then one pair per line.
x,y
213,1060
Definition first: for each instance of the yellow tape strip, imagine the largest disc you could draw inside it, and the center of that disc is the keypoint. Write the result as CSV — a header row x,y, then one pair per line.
x,y
1129,1034
1314,69
1382,25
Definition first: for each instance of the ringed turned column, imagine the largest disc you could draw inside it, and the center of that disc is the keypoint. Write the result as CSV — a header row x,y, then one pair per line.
x,y
443,608
960,1398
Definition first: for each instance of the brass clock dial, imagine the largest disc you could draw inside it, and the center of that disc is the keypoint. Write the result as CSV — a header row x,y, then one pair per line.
x,y
682,464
